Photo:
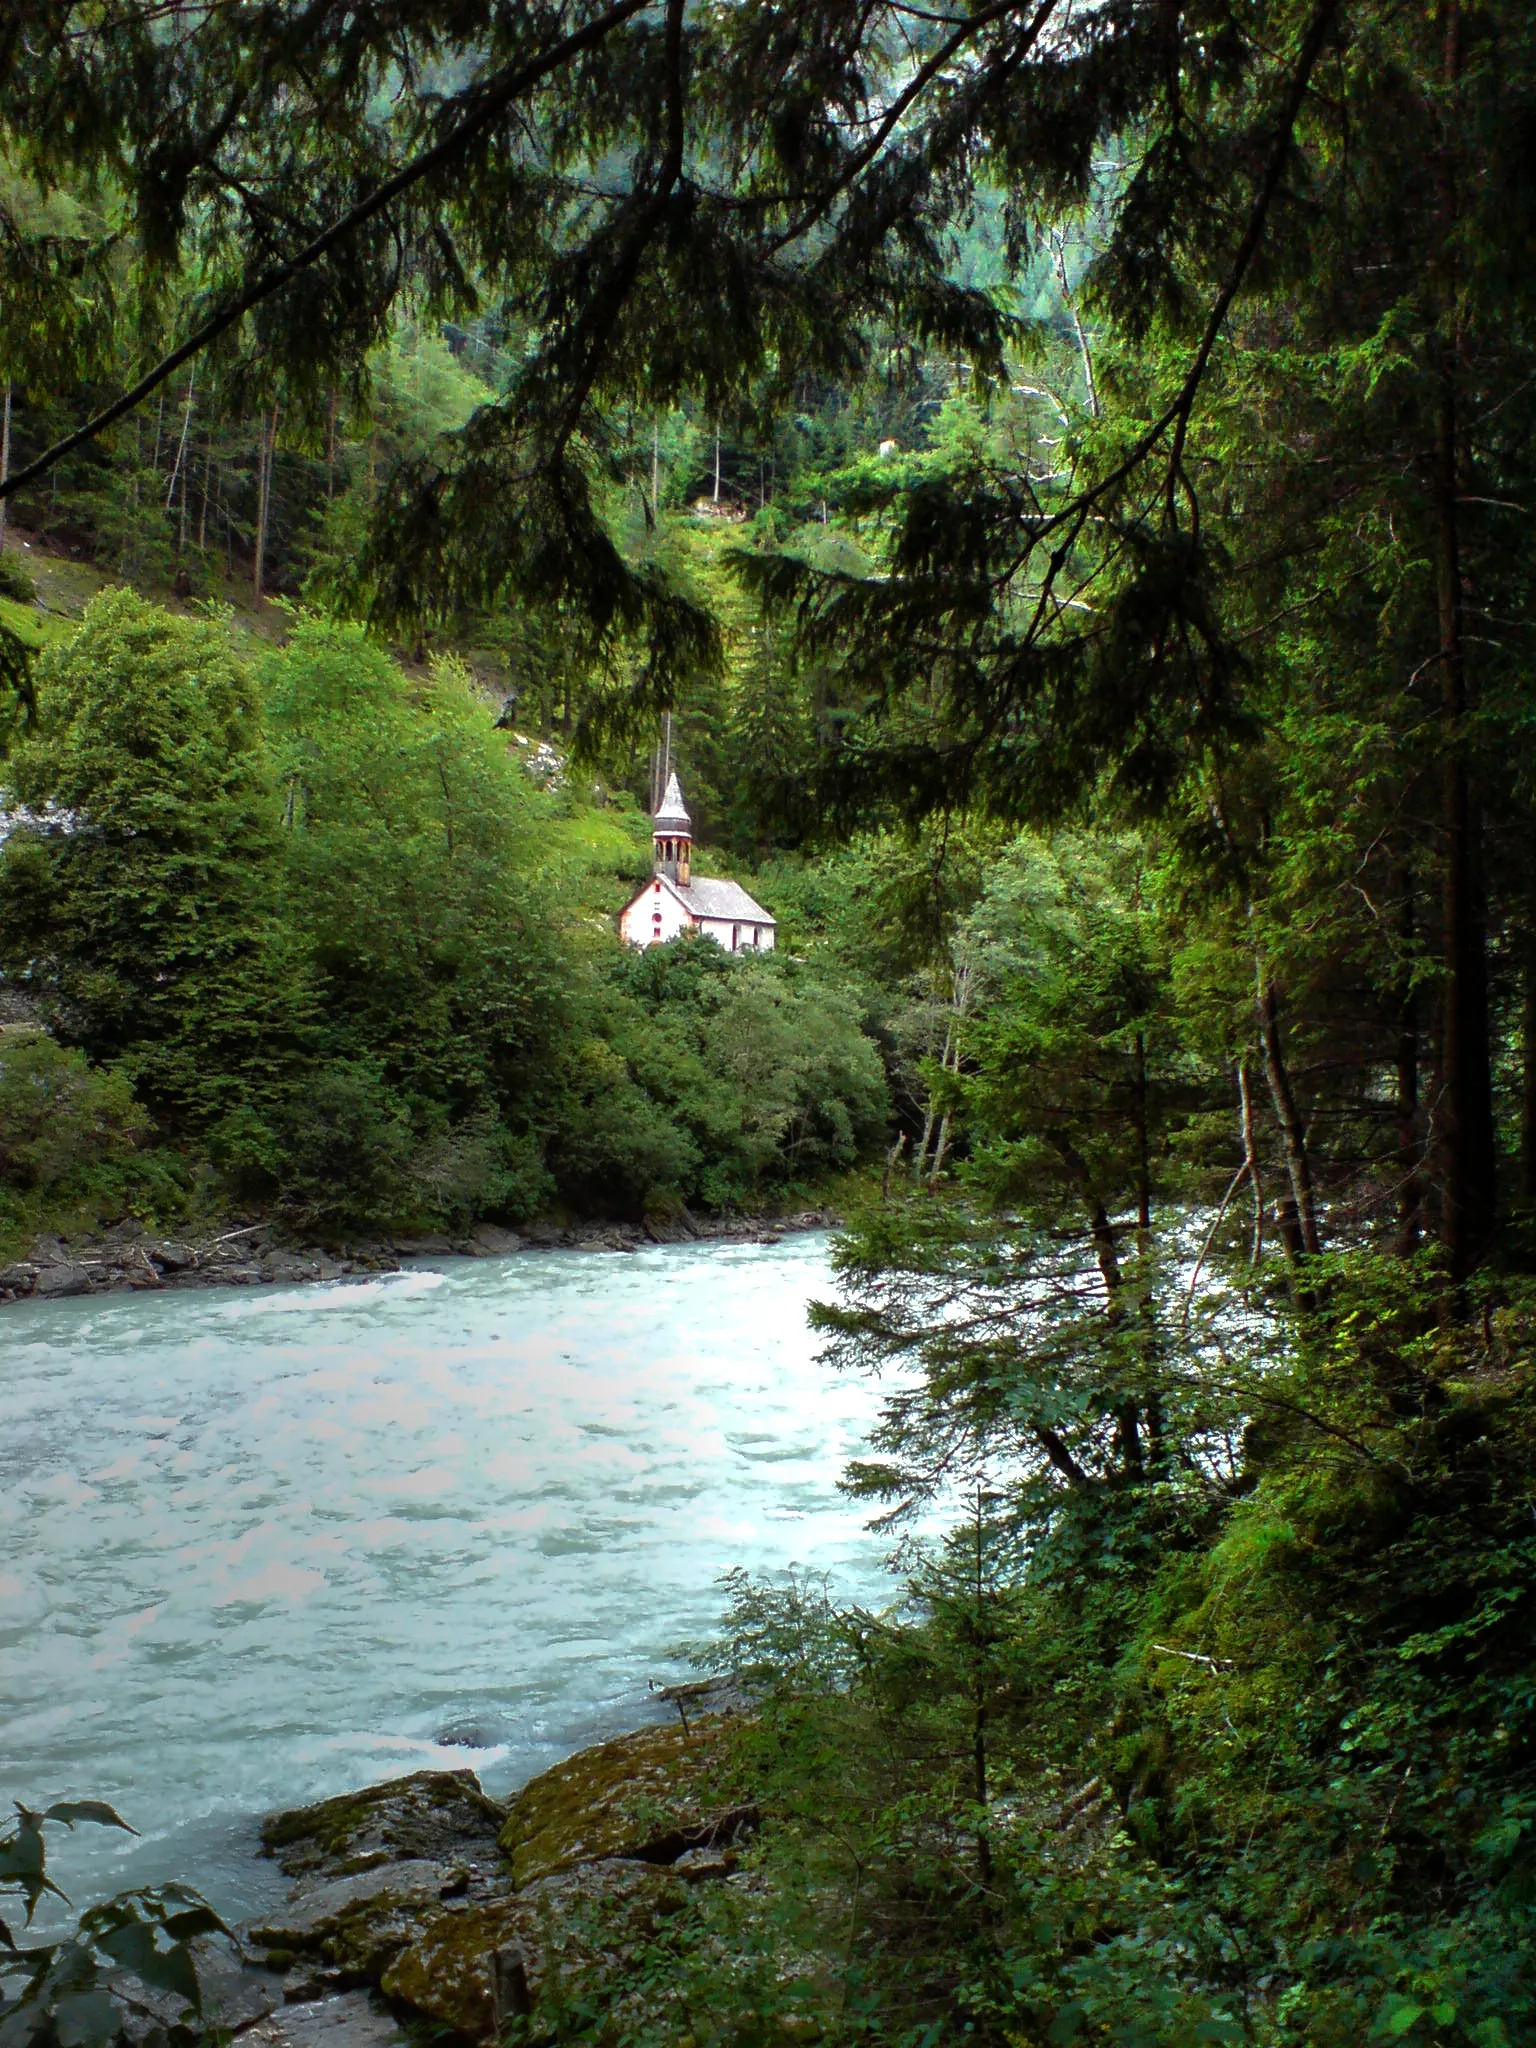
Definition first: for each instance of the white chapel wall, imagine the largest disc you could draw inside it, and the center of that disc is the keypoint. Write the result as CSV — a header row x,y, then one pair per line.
x,y
720,929
657,916
639,926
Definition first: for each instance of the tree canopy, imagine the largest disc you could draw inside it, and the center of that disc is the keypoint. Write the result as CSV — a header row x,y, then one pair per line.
x,y
1300,325
1063,471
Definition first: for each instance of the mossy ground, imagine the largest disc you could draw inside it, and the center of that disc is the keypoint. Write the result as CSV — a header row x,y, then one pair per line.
x,y
581,1927
636,1794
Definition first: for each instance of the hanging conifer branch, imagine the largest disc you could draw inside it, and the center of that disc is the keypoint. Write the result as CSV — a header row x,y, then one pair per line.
x,y
493,100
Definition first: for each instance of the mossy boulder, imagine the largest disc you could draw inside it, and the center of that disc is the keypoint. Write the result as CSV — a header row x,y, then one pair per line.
x,y
357,1924
449,1974
650,1797
431,1814
474,1968
404,1885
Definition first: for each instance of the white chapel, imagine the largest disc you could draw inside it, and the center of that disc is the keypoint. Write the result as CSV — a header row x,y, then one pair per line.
x,y
678,901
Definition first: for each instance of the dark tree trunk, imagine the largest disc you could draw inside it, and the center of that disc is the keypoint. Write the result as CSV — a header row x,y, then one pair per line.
x,y
1289,1228
1251,1159
1127,1414
5,455
1101,1234
1409,1203
1157,1445
202,517
1143,1151
1467,1149
979,1721
265,457
1298,1217
979,1787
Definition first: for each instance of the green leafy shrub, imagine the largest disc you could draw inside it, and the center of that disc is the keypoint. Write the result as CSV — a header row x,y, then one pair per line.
x,y
614,1147
479,1168
713,1077
59,1116
335,1151
140,910
62,1994
410,875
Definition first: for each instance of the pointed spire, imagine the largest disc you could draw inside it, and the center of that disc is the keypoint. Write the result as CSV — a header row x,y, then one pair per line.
x,y
673,815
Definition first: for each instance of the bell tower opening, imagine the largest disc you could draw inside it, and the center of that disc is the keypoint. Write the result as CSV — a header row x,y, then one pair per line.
x,y
672,836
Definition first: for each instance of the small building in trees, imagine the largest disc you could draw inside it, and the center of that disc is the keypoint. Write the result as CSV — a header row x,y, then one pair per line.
x,y
676,900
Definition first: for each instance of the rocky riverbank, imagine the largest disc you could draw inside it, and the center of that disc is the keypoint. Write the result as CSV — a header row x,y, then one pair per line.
x,y
128,1257
424,1905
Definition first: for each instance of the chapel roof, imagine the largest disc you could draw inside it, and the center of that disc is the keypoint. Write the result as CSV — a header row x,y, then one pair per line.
x,y
673,814
711,896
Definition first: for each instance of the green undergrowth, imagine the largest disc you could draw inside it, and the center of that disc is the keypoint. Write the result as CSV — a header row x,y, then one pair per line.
x,y
77,1150
1251,1765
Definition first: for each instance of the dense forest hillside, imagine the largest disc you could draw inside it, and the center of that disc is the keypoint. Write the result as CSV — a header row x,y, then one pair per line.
x,y
289,928
1063,477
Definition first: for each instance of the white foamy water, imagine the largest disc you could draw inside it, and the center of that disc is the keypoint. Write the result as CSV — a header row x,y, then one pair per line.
x,y
256,1548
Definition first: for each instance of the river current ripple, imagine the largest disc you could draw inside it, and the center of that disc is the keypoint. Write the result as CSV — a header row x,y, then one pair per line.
x,y
256,1548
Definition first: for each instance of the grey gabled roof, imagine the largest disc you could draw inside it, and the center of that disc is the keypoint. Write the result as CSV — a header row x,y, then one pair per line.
x,y
707,896
673,815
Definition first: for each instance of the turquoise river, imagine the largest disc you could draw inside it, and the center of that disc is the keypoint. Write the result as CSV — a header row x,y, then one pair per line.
x,y
259,1546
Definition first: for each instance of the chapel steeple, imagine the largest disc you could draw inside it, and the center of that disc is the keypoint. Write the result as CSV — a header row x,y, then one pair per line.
x,y
672,835
675,902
